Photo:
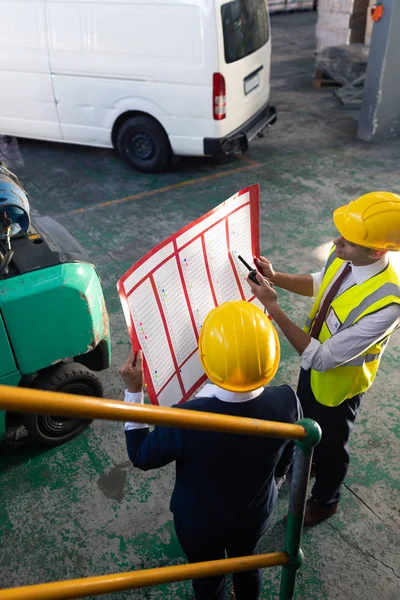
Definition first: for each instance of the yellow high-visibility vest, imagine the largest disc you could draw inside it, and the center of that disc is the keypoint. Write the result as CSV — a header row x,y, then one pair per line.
x,y
355,376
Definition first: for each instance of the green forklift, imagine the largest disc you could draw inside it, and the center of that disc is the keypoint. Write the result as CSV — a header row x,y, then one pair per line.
x,y
54,326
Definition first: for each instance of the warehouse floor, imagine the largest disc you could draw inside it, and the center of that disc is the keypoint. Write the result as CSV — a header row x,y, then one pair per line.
x,y
81,509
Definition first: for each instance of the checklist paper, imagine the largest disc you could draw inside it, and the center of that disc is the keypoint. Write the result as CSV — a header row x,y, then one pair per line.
x,y
168,293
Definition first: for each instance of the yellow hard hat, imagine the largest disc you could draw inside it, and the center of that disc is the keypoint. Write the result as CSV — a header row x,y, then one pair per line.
x,y
372,221
239,347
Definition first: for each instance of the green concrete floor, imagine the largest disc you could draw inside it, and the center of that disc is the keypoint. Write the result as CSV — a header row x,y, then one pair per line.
x,y
81,509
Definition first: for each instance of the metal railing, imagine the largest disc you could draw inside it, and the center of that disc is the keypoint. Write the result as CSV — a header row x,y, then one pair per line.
x,y
306,434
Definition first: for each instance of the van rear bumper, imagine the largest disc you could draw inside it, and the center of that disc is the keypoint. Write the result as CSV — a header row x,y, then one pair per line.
x,y
238,141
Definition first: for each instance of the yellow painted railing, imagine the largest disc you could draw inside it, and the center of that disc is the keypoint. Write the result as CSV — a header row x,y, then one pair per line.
x,y
81,588
86,407
306,432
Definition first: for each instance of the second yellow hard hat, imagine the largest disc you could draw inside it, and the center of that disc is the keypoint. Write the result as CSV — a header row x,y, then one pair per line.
x,y
372,221
239,347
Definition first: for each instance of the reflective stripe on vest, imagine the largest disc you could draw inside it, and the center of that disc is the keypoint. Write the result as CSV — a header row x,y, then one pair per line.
x,y
387,289
360,360
355,376
331,258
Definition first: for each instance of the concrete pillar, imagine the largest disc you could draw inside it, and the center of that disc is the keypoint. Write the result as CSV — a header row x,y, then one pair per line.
x,y
380,112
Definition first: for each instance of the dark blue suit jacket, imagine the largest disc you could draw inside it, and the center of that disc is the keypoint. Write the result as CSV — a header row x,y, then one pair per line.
x,y
220,478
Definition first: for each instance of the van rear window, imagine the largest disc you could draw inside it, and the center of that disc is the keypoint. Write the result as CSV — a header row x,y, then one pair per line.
x,y
246,28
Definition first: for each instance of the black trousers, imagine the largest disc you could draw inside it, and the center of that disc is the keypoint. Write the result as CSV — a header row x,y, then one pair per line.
x,y
331,456
200,542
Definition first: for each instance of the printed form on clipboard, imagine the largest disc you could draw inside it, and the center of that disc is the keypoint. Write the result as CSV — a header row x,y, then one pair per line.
x,y
168,293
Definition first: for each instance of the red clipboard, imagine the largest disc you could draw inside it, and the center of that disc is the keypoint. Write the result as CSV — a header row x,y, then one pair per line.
x,y
167,294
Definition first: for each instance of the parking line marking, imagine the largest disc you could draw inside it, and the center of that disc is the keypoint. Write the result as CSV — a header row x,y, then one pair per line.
x,y
248,167
248,160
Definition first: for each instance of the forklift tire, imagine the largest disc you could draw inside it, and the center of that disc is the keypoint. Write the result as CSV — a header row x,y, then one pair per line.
x,y
69,378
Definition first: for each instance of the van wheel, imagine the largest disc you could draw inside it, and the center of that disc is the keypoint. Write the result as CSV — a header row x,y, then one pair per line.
x,y
144,145
68,378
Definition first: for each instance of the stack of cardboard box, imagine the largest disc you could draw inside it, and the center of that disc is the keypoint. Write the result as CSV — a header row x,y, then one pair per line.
x,y
299,4
288,5
341,22
276,6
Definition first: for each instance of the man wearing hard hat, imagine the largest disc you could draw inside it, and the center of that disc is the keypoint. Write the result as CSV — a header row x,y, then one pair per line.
x,y
356,309
224,491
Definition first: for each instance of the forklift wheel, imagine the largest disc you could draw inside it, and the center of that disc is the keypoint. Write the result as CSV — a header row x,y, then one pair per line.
x,y
69,378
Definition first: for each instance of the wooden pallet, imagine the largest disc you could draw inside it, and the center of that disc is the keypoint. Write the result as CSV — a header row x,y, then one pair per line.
x,y
322,80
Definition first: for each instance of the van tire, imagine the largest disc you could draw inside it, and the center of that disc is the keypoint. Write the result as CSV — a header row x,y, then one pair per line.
x,y
143,144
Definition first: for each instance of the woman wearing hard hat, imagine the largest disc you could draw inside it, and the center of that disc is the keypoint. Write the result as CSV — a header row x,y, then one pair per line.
x,y
225,491
356,309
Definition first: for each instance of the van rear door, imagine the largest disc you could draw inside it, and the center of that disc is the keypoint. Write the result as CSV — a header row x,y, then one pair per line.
x,y
244,59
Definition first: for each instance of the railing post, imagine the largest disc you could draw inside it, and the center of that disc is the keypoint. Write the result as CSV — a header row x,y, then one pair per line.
x,y
298,493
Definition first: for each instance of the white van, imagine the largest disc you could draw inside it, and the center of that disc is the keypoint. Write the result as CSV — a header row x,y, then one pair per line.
x,y
150,78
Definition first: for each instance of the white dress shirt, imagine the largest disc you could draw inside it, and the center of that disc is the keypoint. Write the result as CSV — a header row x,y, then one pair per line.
x,y
134,398
210,390
353,341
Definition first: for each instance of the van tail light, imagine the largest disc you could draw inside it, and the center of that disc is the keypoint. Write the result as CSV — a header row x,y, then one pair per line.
x,y
219,97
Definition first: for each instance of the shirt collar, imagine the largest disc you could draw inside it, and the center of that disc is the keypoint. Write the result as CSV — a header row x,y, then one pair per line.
x,y
214,391
365,272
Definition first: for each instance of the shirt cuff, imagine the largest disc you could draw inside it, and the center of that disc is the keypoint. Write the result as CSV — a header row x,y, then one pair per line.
x,y
317,280
134,398
309,353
